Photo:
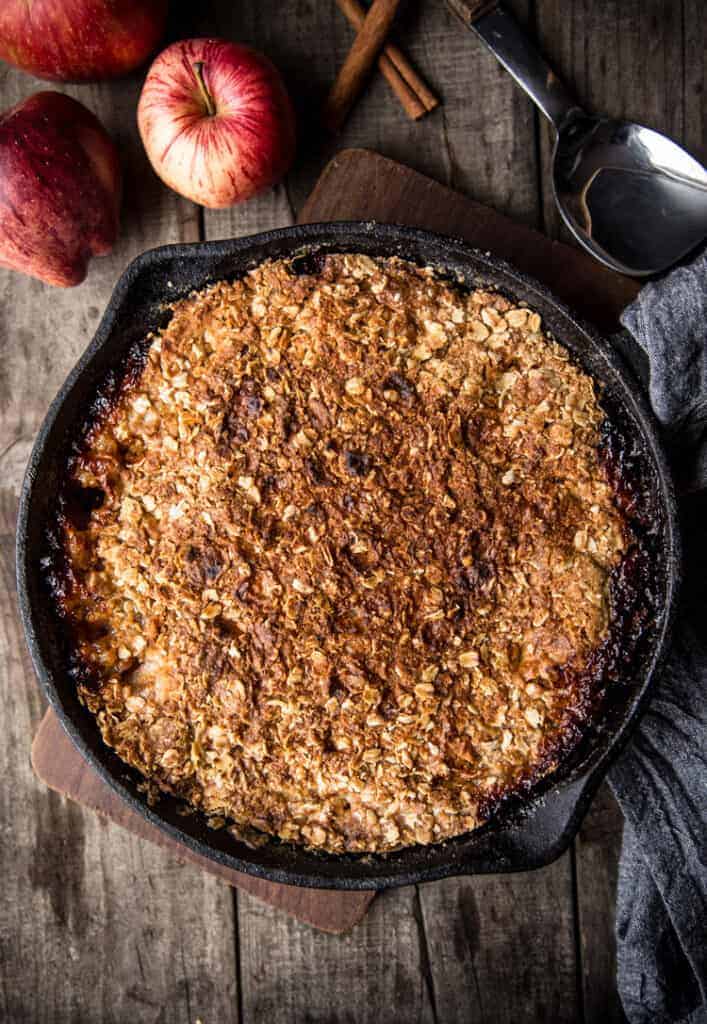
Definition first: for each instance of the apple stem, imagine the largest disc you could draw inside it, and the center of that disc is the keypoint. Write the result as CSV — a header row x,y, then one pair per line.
x,y
198,69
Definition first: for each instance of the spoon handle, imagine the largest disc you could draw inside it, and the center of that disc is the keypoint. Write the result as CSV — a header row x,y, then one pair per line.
x,y
512,47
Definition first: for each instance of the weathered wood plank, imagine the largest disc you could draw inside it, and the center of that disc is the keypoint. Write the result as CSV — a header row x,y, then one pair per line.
x,y
502,947
97,926
450,149
695,78
597,859
485,129
374,975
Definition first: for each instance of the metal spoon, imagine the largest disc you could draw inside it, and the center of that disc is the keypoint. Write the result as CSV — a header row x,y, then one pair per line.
x,y
631,196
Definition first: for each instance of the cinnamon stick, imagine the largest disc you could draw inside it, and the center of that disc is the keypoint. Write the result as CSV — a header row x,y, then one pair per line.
x,y
361,58
416,98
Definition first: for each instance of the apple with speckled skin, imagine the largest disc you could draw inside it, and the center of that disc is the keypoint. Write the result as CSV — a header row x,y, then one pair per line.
x,y
80,40
60,184
216,121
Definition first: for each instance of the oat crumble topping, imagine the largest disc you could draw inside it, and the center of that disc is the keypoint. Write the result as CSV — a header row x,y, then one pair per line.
x,y
348,557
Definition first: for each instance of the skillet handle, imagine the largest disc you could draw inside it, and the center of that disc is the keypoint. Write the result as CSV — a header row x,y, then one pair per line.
x,y
537,837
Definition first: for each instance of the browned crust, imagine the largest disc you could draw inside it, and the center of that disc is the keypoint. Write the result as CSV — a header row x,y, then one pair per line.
x,y
383,601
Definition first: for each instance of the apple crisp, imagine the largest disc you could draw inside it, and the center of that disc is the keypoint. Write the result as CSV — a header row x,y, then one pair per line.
x,y
339,554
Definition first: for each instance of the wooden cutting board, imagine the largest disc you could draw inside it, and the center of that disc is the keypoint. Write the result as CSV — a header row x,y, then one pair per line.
x,y
361,185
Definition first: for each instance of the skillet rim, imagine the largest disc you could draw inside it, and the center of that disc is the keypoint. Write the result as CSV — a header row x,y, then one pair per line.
x,y
550,815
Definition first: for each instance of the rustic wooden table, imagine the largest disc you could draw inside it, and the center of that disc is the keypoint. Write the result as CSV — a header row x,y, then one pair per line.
x,y
99,926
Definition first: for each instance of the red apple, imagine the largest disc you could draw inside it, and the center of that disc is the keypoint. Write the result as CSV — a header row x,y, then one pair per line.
x,y
80,40
216,121
59,188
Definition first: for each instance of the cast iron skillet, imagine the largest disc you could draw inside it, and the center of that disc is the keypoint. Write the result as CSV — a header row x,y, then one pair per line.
x,y
526,833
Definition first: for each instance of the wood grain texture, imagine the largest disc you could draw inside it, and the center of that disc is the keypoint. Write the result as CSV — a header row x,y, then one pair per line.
x,y
469,11
502,948
377,974
694,69
385,128
449,149
488,131
597,851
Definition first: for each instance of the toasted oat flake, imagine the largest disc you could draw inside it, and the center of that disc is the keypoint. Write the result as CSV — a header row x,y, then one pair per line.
x,y
352,556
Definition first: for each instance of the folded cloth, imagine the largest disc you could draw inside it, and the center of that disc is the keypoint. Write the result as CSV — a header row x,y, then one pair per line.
x,y
660,781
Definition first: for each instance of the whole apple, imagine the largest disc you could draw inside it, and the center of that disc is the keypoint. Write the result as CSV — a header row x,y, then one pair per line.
x,y
80,40
59,189
216,121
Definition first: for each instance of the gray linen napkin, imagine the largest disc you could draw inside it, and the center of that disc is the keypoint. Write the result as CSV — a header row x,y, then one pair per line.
x,y
661,779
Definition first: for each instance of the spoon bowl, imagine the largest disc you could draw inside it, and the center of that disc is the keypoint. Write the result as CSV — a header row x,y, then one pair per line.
x,y
633,198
